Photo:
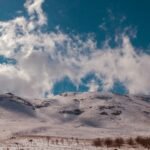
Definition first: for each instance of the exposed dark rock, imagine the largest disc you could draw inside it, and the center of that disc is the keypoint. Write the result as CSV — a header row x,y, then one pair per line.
x,y
106,107
104,113
43,104
73,112
117,112
146,112
10,94
76,100
102,97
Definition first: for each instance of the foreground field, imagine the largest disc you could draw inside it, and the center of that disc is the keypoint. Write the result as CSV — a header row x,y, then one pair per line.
x,y
64,143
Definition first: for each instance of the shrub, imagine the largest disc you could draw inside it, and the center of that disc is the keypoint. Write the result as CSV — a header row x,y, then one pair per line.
x,y
108,142
62,141
143,141
138,139
77,140
30,140
130,142
97,142
56,141
118,142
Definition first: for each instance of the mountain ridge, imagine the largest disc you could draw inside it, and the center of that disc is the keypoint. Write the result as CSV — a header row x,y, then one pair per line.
x,y
88,114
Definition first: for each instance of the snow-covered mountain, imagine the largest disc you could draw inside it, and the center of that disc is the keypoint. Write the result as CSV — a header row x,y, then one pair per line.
x,y
75,115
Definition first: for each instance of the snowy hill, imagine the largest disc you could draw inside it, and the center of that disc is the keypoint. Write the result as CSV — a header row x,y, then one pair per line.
x,y
86,115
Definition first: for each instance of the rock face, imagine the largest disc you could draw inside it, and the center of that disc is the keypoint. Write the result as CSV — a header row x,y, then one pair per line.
x,y
87,114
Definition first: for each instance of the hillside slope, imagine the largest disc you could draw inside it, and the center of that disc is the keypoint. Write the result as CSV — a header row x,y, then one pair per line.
x,y
75,114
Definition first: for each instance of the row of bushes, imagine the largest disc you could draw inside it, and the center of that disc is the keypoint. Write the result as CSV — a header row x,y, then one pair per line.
x,y
118,142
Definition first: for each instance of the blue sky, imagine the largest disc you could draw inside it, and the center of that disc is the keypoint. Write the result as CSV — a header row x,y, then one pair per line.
x,y
86,16
109,26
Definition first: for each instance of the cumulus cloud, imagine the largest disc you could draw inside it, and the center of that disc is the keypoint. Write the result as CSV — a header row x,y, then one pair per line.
x,y
42,59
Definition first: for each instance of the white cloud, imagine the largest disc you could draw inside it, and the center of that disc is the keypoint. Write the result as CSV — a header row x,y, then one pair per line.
x,y
93,86
44,58
34,9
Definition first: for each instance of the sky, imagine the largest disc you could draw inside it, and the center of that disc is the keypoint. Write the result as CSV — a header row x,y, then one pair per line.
x,y
53,46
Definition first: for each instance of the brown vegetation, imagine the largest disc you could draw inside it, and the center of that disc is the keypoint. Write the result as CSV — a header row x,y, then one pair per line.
x,y
97,142
130,141
143,141
118,142
108,142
